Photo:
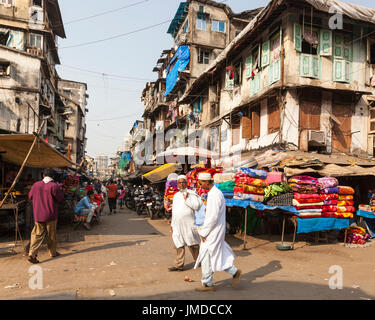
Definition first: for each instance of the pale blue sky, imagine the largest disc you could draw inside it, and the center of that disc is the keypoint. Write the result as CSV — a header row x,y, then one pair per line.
x,y
133,56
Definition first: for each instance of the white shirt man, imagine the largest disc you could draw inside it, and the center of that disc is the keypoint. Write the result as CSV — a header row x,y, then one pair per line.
x,y
214,254
184,230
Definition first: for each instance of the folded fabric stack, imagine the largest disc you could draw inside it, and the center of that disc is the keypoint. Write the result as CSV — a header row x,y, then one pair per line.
x,y
170,190
366,208
355,235
225,183
329,196
306,197
345,204
250,184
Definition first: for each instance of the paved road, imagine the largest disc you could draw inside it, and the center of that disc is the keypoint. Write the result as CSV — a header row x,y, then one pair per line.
x,y
127,257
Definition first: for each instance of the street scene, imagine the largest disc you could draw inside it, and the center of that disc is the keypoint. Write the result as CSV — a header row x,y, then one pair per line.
x,y
197,150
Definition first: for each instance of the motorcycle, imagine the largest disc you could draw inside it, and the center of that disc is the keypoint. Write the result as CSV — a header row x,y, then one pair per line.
x,y
155,207
129,199
140,203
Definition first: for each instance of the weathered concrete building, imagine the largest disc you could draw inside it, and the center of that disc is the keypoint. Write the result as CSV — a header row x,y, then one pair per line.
x,y
290,79
201,30
28,80
74,95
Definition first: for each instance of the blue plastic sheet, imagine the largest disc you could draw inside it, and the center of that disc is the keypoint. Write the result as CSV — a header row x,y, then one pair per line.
x,y
183,58
366,214
321,224
257,205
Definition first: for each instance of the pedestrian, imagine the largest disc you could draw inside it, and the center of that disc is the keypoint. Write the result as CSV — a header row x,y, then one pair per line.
x,y
121,197
45,195
98,186
184,230
104,191
112,196
214,254
85,208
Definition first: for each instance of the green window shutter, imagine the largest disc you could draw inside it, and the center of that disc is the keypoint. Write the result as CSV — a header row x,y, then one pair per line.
x,y
255,84
338,70
315,66
248,67
276,70
347,49
305,65
298,37
338,47
348,71
325,42
266,52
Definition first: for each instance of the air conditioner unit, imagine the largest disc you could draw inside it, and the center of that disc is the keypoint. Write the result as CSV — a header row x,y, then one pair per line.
x,y
317,138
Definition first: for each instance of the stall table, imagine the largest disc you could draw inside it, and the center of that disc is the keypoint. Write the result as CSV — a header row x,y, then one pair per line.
x,y
16,208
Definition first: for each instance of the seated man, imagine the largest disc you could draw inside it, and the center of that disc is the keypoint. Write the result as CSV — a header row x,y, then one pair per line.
x,y
85,210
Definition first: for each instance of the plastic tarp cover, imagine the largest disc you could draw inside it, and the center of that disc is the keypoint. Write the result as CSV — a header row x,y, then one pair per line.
x,y
161,173
257,205
353,11
183,58
321,224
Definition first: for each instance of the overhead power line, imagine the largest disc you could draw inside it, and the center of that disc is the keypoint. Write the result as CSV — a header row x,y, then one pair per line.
x,y
106,12
117,36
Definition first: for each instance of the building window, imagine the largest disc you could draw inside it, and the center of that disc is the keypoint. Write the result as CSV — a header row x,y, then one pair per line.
x,y
203,56
67,93
218,26
4,68
186,27
38,3
36,41
201,22
7,3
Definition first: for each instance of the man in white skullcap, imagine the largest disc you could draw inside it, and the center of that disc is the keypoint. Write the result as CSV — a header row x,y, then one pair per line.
x,y
184,230
214,254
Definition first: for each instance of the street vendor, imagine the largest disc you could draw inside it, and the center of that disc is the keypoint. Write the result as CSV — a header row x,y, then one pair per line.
x,y
86,208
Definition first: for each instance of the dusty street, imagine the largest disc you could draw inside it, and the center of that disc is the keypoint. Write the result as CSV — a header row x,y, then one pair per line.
x,y
127,257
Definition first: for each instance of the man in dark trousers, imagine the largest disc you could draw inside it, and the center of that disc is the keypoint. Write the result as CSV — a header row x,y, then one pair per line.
x,y
45,194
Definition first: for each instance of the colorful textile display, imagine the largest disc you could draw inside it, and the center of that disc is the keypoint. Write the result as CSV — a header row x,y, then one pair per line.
x,y
248,189
355,235
302,180
327,182
330,196
252,173
343,190
345,198
330,202
345,203
250,181
247,196
301,196
226,186
170,190
223,177
345,209
364,207
333,190
304,188
306,204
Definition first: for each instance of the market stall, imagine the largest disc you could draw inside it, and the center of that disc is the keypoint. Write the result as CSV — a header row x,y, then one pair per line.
x,y
24,152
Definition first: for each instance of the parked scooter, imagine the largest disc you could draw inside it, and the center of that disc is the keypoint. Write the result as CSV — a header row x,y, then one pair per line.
x,y
129,198
155,207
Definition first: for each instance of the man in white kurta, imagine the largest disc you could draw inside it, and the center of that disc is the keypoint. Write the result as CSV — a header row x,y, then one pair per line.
x,y
214,254
185,233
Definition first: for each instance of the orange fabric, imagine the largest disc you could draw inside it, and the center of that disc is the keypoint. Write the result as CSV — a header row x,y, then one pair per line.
x,y
112,191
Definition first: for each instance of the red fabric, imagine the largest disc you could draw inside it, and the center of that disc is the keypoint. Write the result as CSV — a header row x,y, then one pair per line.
x,y
308,207
250,181
329,208
299,196
330,202
345,190
308,200
90,188
329,214
309,217
345,209
98,199
45,197
331,196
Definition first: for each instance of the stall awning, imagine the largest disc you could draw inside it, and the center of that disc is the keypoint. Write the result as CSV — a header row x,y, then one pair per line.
x,y
162,172
14,148
333,170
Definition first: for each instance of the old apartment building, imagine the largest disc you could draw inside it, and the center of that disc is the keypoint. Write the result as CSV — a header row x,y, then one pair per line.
x,y
289,79
201,30
75,99
29,83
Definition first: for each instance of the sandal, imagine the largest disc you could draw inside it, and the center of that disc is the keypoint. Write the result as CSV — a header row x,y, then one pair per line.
x,y
33,260
56,254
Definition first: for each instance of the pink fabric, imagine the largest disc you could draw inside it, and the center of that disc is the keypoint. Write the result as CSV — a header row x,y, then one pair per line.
x,y
299,196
